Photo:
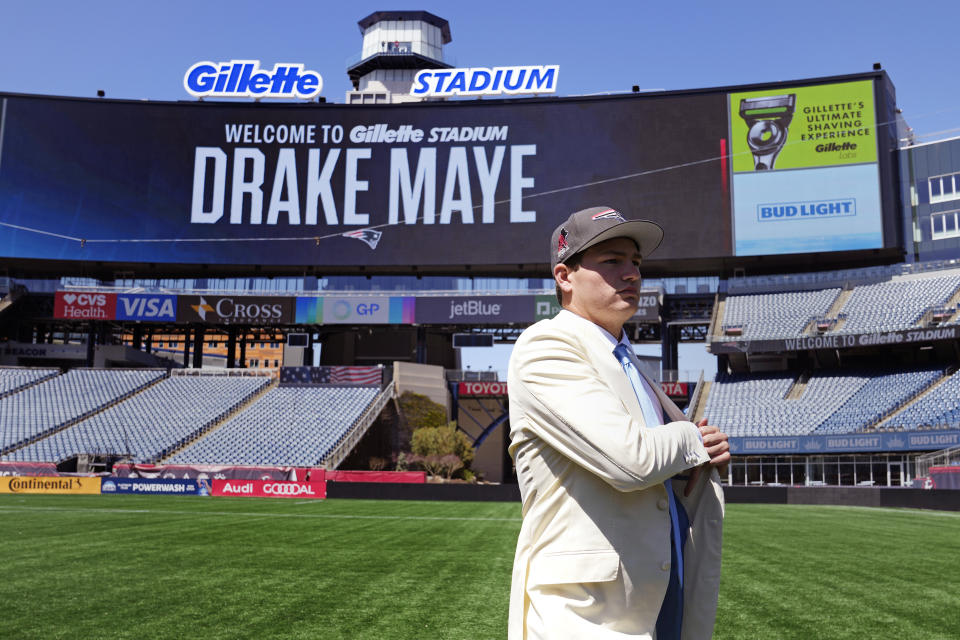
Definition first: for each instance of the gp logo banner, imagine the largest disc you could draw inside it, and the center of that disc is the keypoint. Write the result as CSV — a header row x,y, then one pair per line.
x,y
269,489
44,484
146,306
71,305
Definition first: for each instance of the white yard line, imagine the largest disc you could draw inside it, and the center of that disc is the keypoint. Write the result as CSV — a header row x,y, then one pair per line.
x,y
247,514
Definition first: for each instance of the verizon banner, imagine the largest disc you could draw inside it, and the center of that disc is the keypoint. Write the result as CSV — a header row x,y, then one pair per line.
x,y
269,489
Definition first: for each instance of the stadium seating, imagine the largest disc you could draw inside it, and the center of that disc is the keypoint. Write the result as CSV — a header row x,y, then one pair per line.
x,y
286,426
940,408
13,379
880,394
898,304
895,303
777,315
53,403
151,423
831,402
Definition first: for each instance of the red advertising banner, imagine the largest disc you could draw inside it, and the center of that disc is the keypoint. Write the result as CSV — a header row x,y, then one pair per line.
x,y
28,469
71,305
406,477
482,388
208,471
675,389
268,489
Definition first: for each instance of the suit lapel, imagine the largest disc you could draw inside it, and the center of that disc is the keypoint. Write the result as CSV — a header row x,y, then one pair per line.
x,y
600,352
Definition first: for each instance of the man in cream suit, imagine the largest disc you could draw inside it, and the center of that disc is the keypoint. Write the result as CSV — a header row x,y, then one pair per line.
x,y
596,447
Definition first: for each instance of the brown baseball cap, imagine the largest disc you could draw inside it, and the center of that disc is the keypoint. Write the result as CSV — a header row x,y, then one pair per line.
x,y
588,227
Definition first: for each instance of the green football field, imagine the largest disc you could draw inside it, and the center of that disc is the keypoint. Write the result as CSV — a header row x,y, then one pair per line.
x,y
191,567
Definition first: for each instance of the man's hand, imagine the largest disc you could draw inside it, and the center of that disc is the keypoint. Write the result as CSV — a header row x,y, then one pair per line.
x,y
717,447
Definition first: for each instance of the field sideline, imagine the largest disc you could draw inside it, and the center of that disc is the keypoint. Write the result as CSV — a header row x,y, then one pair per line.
x,y
173,567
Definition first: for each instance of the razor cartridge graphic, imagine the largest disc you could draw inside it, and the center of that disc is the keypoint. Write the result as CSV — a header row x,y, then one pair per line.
x,y
768,119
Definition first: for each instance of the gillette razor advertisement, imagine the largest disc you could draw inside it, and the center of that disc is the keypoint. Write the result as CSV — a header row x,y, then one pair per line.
x,y
461,184
805,171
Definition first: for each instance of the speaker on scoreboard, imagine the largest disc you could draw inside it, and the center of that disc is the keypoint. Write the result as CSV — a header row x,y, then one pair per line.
x,y
472,340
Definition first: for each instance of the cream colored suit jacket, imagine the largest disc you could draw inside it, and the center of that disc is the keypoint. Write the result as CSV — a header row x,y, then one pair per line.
x,y
593,556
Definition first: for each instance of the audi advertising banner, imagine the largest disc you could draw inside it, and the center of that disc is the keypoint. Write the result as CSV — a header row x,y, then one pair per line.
x,y
452,185
269,489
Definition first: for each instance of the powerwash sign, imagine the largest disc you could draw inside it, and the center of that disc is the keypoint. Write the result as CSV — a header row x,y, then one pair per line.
x,y
845,341
847,443
454,187
328,310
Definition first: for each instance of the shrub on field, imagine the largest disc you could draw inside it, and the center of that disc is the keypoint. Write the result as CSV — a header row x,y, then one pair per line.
x,y
442,450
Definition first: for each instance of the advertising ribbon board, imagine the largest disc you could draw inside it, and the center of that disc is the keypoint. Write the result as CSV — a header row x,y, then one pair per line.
x,y
269,489
44,484
845,443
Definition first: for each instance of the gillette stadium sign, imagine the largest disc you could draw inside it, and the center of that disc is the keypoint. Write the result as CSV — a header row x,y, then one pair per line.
x,y
245,79
480,81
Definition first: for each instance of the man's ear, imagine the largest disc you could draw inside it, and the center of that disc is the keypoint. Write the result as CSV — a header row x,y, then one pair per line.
x,y
561,275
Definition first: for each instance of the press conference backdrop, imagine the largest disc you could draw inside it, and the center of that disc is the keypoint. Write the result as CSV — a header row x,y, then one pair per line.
x,y
451,185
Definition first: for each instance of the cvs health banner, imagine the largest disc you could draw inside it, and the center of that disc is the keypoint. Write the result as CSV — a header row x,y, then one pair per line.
x,y
70,305
269,489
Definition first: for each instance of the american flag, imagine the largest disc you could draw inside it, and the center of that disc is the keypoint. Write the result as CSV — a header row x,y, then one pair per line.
x,y
347,375
305,376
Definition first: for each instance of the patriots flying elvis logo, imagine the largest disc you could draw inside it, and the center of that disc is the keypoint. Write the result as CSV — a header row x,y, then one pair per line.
x,y
609,214
369,236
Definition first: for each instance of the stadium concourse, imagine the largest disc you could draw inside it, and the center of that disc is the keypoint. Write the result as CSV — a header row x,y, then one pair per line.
x,y
837,378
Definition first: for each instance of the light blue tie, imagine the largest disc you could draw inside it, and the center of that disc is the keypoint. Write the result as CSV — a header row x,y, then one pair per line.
x,y
668,624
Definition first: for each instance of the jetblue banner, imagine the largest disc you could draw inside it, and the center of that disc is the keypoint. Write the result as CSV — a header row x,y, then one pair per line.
x,y
157,486
846,443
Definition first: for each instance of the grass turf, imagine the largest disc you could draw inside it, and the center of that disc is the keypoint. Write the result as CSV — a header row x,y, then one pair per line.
x,y
172,567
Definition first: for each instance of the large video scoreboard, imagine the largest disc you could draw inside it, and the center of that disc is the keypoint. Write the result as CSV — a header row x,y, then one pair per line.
x,y
788,173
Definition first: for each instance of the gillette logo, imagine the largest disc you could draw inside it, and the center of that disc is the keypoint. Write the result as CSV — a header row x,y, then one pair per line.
x,y
806,210
245,79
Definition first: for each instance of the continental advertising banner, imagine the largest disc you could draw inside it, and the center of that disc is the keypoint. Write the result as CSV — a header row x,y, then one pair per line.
x,y
805,169
44,484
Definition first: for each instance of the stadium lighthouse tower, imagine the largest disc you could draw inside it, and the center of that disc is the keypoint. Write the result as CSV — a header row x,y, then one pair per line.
x,y
396,44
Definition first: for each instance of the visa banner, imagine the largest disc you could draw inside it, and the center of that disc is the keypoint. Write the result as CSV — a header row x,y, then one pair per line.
x,y
269,489
146,306
44,484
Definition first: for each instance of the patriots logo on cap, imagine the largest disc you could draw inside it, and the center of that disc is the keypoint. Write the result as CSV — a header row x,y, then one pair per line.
x,y
370,236
562,245
609,214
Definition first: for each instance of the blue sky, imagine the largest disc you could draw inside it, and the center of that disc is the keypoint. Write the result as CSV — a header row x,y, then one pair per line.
x,y
140,50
